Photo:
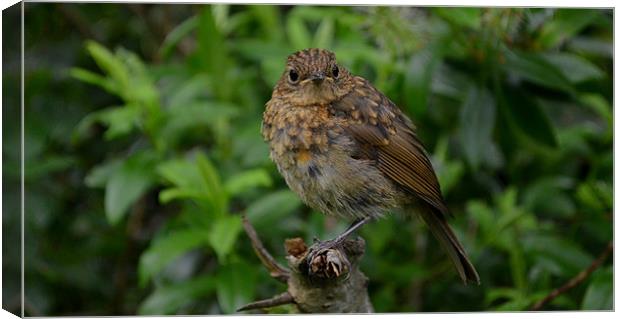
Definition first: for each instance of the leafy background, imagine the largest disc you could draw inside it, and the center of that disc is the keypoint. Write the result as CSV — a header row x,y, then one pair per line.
x,y
143,150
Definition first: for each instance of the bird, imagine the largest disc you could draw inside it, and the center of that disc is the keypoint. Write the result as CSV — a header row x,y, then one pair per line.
x,y
348,151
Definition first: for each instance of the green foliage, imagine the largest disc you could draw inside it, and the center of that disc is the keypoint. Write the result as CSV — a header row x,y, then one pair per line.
x,y
162,148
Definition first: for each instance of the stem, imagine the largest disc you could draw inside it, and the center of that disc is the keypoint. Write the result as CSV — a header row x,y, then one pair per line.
x,y
582,276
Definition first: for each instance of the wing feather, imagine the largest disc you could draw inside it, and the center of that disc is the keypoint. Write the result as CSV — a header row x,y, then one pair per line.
x,y
378,125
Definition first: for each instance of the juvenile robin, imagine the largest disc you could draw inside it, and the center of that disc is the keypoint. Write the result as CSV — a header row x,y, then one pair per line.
x,y
348,151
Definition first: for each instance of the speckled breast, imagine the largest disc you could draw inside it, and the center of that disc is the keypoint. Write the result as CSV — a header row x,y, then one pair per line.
x,y
314,155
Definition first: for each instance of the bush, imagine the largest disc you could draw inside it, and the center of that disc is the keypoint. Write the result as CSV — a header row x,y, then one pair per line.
x,y
514,106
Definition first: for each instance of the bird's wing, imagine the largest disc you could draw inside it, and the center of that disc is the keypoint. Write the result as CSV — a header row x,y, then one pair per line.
x,y
384,134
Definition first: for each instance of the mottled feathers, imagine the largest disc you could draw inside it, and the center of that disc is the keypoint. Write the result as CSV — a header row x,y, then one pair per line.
x,y
348,151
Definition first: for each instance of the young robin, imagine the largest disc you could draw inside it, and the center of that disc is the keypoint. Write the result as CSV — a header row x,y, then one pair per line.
x,y
348,151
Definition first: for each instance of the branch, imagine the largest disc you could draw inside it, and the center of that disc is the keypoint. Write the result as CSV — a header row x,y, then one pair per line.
x,y
583,275
326,281
275,269
281,299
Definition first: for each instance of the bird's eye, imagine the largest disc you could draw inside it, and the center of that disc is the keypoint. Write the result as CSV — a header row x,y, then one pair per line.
x,y
335,71
293,76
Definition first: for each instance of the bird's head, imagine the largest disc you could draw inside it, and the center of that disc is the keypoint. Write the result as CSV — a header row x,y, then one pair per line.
x,y
313,77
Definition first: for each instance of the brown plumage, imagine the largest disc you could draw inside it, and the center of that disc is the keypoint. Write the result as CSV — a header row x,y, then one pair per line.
x,y
348,151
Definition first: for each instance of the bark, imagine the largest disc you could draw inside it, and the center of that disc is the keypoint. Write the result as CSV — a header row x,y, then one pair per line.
x,y
330,282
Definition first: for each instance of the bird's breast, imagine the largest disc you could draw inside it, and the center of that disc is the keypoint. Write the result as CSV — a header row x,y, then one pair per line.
x,y
313,153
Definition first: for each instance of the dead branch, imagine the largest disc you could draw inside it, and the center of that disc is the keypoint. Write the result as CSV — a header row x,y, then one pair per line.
x,y
275,269
281,299
330,282
583,275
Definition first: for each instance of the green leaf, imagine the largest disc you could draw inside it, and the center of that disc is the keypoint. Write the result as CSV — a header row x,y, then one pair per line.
x,y
212,53
592,46
235,286
450,175
223,235
181,172
324,34
297,32
272,207
100,174
269,18
128,183
519,304
165,249
548,195
462,17
190,183
528,119
477,120
167,300
189,91
185,118
169,194
95,79
109,63
419,75
449,82
177,34
53,163
598,104
516,299
535,68
243,181
565,24
500,293
120,121
215,189
562,254
600,293
575,68
483,215
595,195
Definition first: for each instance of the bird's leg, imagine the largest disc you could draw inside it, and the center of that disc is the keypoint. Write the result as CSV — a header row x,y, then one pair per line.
x,y
353,227
328,244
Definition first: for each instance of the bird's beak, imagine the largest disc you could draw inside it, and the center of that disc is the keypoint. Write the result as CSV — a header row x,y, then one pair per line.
x,y
317,78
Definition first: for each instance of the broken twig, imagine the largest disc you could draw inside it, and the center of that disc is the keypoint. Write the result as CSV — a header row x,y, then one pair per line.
x,y
329,282
275,269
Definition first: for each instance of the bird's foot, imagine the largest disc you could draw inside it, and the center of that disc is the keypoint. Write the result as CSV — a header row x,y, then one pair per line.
x,y
327,261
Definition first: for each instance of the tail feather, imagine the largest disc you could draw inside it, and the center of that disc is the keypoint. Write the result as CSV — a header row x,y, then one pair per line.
x,y
442,231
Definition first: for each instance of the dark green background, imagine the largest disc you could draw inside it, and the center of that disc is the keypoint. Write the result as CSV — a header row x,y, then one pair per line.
x,y
143,150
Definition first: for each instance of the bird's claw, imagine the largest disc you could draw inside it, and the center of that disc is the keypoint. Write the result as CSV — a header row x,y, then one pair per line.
x,y
324,260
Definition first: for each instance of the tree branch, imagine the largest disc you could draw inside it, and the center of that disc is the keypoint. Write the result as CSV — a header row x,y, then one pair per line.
x,y
330,282
281,299
275,269
583,275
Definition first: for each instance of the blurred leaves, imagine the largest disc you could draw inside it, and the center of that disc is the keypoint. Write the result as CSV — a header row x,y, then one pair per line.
x,y
575,68
599,294
235,286
461,17
535,68
127,184
528,119
223,235
565,24
165,249
477,120
515,105
168,299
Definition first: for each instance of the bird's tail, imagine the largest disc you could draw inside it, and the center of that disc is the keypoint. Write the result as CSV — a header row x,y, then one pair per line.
x,y
442,231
